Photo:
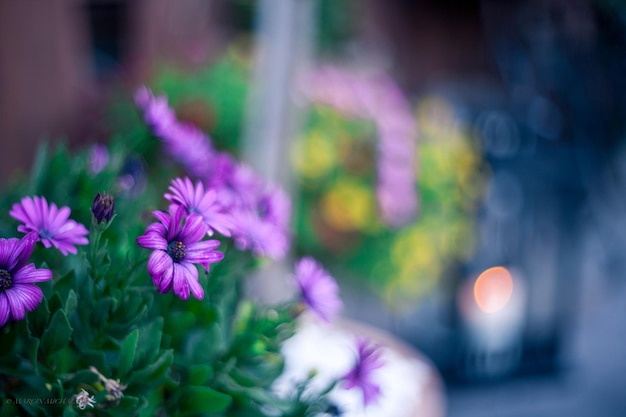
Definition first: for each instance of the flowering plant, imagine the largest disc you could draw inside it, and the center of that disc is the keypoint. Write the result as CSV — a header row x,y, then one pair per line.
x,y
122,272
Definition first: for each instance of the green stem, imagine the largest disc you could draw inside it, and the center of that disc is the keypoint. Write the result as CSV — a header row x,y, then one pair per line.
x,y
94,243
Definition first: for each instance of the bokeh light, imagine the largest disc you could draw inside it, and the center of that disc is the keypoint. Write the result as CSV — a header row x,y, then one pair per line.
x,y
493,289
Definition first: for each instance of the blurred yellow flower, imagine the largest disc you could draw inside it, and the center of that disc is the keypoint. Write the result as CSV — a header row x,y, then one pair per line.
x,y
348,205
315,155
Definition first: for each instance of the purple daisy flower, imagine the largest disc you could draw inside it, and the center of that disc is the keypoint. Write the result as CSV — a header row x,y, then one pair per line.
x,y
18,294
222,167
318,289
197,200
177,245
190,146
275,207
263,238
240,186
360,376
53,225
156,111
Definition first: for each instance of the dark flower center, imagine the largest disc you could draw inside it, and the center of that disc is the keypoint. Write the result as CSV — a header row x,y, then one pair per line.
x,y
44,234
177,250
6,280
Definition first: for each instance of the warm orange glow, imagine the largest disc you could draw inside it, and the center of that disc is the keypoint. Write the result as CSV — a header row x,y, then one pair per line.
x,y
493,289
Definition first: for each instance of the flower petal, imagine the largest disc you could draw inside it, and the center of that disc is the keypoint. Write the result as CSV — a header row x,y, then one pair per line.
x,y
158,262
162,216
5,310
29,274
192,280
26,295
22,251
152,241
202,254
7,251
175,226
194,229
16,303
181,286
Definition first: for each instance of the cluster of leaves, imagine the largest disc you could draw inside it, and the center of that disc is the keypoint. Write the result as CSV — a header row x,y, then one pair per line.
x,y
102,322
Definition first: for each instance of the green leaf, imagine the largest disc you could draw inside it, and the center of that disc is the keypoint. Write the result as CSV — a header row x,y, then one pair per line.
x,y
128,406
196,400
70,412
39,318
179,323
245,310
57,334
65,283
8,336
127,353
200,374
71,303
86,332
8,410
201,345
96,359
154,371
32,349
64,360
100,313
84,376
55,303
149,342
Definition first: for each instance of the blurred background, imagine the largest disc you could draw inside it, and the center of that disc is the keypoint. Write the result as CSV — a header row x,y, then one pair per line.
x,y
459,166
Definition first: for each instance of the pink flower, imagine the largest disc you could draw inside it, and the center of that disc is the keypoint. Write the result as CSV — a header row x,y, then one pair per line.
x,y
190,146
18,294
53,225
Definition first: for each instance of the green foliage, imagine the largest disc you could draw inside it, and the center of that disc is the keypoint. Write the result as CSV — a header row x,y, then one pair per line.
x,y
212,98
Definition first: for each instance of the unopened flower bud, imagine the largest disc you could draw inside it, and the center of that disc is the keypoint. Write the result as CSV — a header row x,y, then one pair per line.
x,y
103,207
